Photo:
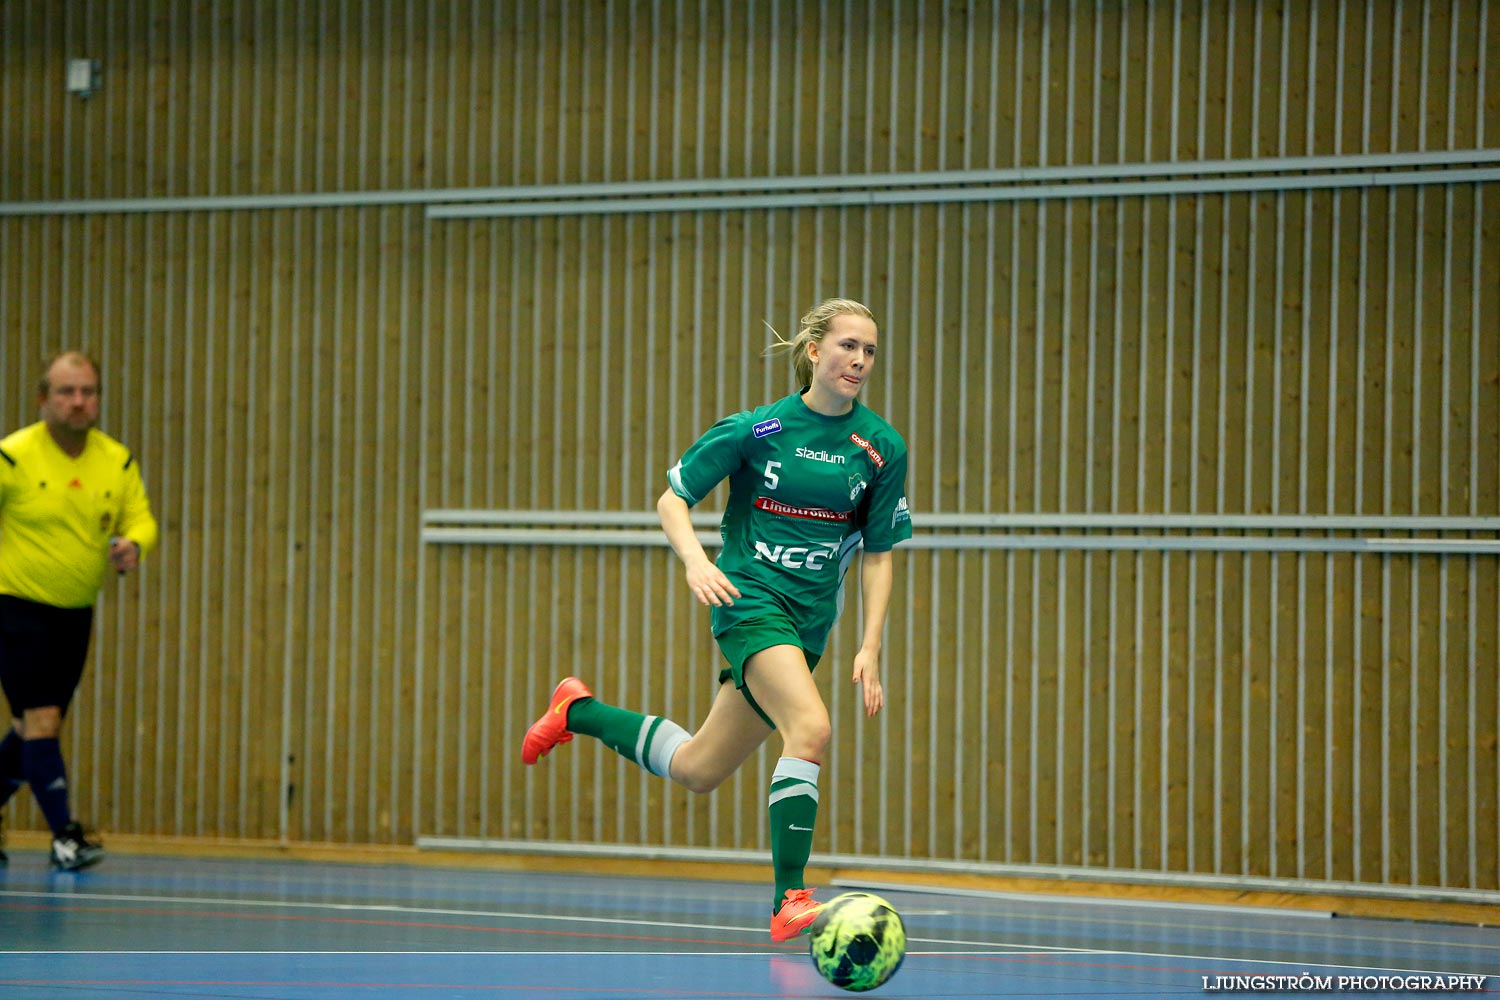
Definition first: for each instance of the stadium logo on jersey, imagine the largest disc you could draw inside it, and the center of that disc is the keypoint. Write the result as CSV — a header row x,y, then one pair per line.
x,y
900,513
819,455
811,513
857,486
767,427
869,448
813,557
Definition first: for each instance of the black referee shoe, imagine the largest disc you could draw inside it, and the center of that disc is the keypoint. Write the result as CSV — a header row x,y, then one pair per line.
x,y
73,851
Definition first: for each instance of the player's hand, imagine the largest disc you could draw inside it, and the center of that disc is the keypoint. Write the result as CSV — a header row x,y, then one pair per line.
x,y
125,554
709,584
867,676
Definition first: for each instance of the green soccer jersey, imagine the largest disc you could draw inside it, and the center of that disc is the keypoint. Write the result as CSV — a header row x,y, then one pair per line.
x,y
804,491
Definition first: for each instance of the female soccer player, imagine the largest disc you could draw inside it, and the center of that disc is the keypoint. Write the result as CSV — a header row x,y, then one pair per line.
x,y
811,477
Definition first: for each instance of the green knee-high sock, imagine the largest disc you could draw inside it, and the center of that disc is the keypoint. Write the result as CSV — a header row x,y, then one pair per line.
x,y
647,740
794,812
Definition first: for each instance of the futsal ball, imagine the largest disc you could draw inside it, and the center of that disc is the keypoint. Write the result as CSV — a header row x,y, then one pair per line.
x,y
857,941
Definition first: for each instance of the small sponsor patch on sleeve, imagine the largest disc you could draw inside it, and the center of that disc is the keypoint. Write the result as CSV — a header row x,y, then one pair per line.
x,y
901,513
767,427
869,448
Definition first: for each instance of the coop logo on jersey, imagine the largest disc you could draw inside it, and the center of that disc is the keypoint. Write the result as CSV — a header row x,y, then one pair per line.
x,y
820,455
869,448
767,427
810,557
900,513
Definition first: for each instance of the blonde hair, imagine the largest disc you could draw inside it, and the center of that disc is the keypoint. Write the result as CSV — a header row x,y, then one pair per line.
x,y
812,328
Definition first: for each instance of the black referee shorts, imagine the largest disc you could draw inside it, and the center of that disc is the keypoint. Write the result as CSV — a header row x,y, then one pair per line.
x,y
42,652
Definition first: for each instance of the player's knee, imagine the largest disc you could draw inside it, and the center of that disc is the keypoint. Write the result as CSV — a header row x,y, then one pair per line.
x,y
809,737
697,779
821,736
703,784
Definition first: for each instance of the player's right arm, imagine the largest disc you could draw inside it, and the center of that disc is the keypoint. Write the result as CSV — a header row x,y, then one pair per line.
x,y
707,582
711,459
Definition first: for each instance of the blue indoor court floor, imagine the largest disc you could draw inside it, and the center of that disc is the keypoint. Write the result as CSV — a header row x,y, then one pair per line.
x,y
149,926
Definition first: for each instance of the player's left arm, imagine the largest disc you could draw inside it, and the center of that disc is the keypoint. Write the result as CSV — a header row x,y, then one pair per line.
x,y
875,592
136,530
884,521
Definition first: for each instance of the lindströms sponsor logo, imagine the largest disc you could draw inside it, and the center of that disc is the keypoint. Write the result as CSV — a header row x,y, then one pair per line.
x,y
811,513
820,455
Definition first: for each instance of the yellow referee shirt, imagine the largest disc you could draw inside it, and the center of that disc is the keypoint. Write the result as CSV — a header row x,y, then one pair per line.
x,y
58,513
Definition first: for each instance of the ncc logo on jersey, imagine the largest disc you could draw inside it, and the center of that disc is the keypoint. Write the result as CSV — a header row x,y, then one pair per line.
x,y
767,427
797,556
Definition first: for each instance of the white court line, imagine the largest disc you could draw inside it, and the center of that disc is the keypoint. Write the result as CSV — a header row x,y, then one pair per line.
x,y
424,912
1320,935
1061,952
1092,901
479,954
756,930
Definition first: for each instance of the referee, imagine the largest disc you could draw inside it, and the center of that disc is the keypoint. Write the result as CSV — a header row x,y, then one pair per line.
x,y
72,507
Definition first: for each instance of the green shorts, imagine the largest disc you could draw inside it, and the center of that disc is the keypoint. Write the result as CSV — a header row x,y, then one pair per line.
x,y
743,640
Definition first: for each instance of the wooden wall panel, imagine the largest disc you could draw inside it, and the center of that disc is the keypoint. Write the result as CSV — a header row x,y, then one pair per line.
x,y
254,98
301,383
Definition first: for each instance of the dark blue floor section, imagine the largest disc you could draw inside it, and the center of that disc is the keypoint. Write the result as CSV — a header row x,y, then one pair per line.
x,y
157,927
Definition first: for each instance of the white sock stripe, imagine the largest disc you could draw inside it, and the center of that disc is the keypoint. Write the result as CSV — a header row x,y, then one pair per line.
x,y
811,791
669,737
640,740
796,767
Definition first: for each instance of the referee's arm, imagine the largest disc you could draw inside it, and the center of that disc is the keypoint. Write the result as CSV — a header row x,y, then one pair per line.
x,y
137,527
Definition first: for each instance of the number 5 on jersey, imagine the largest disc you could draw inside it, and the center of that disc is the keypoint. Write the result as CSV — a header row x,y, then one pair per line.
x,y
771,477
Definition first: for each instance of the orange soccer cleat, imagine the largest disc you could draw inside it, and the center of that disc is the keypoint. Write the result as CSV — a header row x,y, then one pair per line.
x,y
798,909
552,728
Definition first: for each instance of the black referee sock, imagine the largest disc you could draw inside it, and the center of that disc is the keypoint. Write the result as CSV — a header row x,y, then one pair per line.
x,y
48,778
12,770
